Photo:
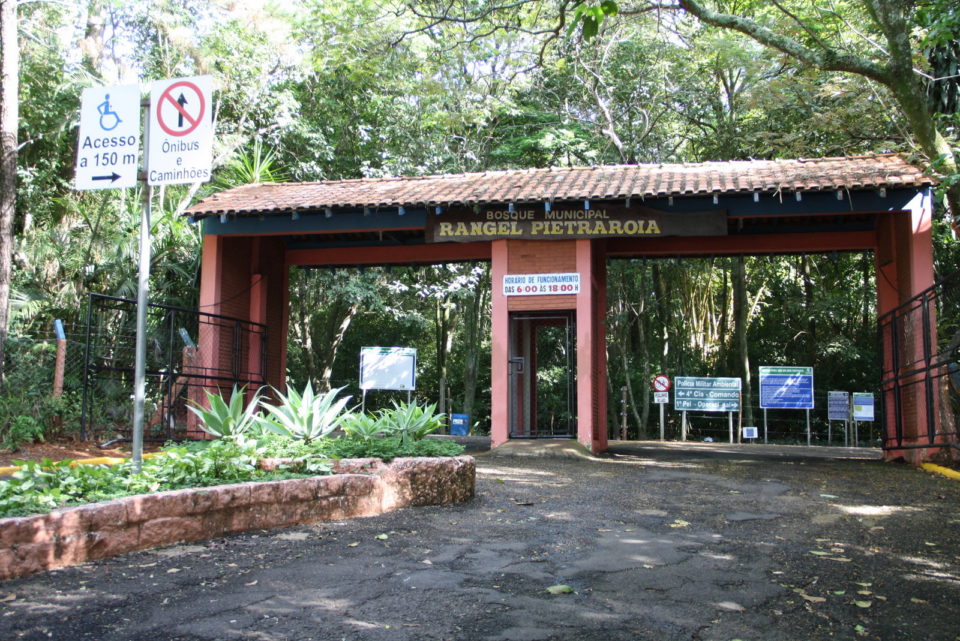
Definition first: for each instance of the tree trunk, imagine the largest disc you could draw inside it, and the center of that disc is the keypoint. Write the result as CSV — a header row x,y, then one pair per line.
x,y
741,319
810,353
338,320
473,332
9,122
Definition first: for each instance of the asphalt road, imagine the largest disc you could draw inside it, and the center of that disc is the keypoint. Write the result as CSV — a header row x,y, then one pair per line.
x,y
653,543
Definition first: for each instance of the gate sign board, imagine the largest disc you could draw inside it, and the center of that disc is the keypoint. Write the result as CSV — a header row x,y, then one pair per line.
x,y
540,284
393,368
180,143
701,394
464,225
838,406
108,148
862,406
786,387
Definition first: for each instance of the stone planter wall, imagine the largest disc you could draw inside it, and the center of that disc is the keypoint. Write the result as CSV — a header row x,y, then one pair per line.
x,y
360,487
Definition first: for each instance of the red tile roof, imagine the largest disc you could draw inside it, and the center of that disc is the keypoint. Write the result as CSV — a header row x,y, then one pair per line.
x,y
573,183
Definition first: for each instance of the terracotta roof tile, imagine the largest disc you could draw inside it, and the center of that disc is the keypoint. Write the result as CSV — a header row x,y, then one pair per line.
x,y
576,183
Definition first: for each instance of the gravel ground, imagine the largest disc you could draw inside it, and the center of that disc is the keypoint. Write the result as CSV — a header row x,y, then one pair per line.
x,y
651,543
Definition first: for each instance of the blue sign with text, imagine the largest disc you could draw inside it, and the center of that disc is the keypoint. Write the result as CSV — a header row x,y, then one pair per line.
x,y
702,394
786,388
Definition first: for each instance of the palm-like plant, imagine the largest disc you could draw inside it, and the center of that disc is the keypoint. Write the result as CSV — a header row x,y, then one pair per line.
x,y
411,420
362,427
306,416
227,419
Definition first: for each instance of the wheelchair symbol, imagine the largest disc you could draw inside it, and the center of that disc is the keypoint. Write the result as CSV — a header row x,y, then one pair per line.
x,y
108,117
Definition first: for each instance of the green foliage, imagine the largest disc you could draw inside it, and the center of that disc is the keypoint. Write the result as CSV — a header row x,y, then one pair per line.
x,y
362,427
388,448
306,416
40,486
410,421
230,419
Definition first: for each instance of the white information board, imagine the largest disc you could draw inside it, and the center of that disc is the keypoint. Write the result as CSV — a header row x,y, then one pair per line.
x,y
393,368
180,143
863,406
540,284
108,147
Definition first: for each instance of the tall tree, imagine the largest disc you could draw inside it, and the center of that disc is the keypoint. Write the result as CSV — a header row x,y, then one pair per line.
x,y
9,122
871,38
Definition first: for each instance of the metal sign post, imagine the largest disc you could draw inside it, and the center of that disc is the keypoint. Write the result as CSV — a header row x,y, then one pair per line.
x,y
140,362
107,151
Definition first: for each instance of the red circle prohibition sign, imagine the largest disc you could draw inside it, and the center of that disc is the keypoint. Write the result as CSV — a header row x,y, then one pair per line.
x,y
661,383
182,114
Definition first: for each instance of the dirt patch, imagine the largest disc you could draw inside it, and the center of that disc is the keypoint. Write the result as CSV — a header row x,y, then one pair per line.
x,y
63,450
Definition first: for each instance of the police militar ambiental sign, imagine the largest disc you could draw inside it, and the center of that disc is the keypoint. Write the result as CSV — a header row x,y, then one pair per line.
x,y
561,223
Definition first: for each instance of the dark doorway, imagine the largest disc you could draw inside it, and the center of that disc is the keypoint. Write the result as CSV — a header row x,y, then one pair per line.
x,y
543,401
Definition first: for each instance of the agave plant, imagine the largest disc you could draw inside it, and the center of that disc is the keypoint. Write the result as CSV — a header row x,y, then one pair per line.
x,y
306,416
227,419
362,427
410,420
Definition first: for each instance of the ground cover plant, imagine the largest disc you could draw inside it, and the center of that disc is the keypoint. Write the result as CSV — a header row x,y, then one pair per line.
x,y
300,429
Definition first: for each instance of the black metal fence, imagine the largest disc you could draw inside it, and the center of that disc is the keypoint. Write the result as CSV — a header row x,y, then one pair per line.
x,y
920,355
187,351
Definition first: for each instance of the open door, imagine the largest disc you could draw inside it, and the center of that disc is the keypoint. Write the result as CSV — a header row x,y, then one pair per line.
x,y
542,383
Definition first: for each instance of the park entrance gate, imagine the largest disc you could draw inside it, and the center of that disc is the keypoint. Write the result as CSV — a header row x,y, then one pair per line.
x,y
565,223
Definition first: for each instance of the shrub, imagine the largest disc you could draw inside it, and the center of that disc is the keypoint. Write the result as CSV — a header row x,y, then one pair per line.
x,y
410,421
224,419
363,427
306,416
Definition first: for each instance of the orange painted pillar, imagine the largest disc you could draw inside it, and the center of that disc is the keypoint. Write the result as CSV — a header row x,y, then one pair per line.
x,y
499,347
206,357
904,264
591,359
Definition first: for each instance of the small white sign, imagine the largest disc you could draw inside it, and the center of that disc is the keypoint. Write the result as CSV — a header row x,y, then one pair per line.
x,y
180,141
661,397
108,147
393,368
750,432
540,284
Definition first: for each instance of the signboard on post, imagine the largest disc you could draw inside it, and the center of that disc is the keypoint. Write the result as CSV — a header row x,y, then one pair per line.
x,y
786,388
661,397
701,394
863,406
838,406
391,368
180,140
108,147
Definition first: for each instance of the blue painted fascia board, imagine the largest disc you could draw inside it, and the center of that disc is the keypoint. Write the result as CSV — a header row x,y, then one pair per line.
x,y
736,206
315,222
